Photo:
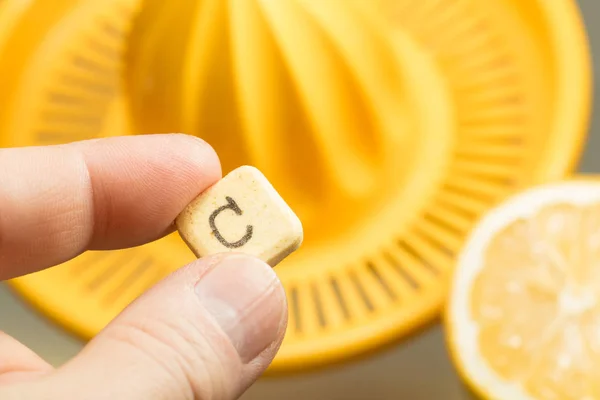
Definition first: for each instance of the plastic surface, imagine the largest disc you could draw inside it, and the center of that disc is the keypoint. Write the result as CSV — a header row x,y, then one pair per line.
x,y
389,127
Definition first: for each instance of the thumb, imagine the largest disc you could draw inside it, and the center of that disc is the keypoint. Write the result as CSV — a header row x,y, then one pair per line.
x,y
205,332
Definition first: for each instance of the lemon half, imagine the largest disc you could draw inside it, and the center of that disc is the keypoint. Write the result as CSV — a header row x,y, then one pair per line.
x,y
523,316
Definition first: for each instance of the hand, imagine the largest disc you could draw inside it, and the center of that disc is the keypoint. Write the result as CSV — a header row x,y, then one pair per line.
x,y
205,332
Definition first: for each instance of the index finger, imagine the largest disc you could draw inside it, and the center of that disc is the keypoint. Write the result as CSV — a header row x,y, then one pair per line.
x,y
58,201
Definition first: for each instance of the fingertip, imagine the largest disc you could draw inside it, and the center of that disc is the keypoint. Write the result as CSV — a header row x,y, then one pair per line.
x,y
209,329
101,194
200,153
245,297
142,183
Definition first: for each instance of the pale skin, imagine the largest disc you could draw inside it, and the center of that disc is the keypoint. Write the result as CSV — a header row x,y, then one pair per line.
x,y
187,337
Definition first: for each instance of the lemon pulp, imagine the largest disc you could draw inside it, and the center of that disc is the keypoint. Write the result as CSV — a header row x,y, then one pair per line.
x,y
530,286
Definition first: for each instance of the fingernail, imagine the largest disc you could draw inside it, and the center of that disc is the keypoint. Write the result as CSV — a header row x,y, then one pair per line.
x,y
245,298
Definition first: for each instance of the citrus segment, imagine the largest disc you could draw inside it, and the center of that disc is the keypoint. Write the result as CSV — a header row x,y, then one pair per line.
x,y
524,311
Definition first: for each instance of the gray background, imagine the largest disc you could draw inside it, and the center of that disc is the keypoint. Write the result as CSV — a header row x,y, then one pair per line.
x,y
418,369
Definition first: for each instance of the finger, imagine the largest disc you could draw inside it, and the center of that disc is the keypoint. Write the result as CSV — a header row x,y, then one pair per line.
x,y
206,332
19,363
58,201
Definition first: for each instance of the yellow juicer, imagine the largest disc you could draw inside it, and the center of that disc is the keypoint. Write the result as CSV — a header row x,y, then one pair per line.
x,y
389,126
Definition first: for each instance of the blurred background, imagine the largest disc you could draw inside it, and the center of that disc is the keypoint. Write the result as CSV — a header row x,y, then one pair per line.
x,y
417,368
